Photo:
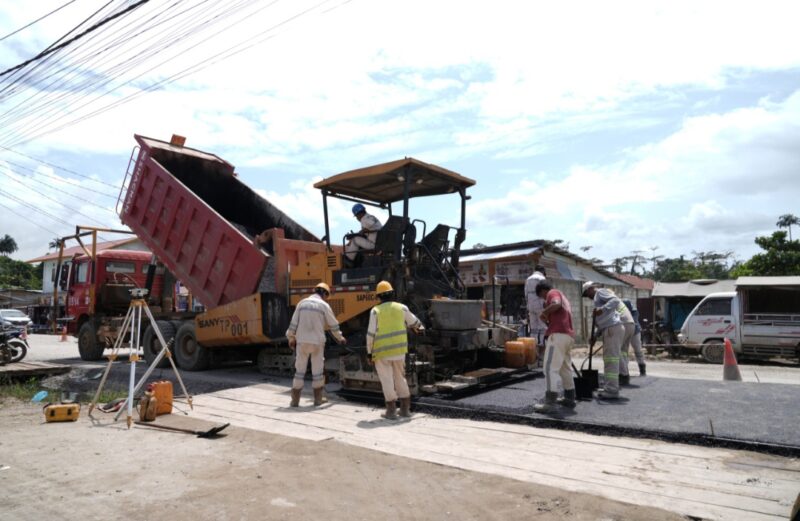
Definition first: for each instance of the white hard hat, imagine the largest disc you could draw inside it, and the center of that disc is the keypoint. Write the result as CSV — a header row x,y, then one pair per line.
x,y
586,285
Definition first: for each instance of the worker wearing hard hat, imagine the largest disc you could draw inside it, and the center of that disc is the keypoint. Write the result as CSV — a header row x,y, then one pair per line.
x,y
365,238
387,345
306,334
608,322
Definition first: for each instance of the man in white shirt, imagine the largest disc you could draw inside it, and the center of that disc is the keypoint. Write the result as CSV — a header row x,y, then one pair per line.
x,y
306,334
535,304
365,238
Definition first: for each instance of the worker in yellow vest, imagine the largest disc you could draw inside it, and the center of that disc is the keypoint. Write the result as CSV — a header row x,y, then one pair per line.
x,y
387,345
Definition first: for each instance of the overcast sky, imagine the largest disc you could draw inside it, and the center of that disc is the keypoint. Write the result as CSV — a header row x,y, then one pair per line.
x,y
618,125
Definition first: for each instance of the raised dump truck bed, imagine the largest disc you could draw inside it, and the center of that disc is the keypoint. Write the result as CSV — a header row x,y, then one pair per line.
x,y
199,219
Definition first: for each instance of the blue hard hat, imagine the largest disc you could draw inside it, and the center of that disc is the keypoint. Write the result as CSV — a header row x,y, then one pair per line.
x,y
358,208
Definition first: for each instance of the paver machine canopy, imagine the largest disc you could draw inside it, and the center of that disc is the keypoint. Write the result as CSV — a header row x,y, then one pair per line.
x,y
421,262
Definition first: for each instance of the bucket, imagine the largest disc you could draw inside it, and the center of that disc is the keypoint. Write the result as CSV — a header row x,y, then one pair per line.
x,y
162,391
583,388
592,376
530,349
515,354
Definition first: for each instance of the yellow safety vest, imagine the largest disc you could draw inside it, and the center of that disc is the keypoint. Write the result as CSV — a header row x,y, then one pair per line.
x,y
391,338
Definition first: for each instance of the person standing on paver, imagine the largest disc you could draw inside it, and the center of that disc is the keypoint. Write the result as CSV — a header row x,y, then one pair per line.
x,y
387,345
636,340
557,314
536,328
306,335
607,320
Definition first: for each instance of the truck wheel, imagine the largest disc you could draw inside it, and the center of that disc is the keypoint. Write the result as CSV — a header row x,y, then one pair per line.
x,y
713,351
190,355
88,346
151,346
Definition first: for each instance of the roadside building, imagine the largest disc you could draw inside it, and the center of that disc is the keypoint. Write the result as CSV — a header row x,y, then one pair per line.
x,y
497,274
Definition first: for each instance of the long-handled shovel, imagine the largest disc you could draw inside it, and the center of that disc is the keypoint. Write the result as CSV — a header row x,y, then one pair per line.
x,y
590,374
210,433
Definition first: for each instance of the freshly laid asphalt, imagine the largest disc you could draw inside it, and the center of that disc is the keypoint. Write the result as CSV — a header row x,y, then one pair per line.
x,y
755,413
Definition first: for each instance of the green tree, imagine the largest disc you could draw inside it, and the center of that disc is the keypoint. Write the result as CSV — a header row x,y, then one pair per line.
x,y
8,245
780,257
786,221
18,274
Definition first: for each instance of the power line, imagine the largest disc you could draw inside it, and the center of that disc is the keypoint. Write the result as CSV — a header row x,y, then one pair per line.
x,y
34,208
60,46
60,191
37,20
58,167
48,230
62,179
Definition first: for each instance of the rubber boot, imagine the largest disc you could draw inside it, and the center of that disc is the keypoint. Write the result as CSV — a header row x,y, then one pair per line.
x,y
624,379
405,407
568,400
319,396
602,394
391,411
295,398
642,370
549,403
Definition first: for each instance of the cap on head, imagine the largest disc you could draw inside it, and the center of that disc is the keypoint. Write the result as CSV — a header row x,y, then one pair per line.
x,y
586,285
358,208
323,287
383,287
540,269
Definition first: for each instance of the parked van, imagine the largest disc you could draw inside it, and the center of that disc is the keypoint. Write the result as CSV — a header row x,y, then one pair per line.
x,y
761,319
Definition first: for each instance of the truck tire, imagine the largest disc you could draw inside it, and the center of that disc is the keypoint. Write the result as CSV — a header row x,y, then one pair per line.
x,y
151,346
713,351
88,346
190,355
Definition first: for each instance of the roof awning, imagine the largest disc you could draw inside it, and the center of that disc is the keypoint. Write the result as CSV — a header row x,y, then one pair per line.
x,y
385,183
698,288
474,257
767,281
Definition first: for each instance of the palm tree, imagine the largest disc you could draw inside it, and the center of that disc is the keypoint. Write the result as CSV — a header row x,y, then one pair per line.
x,y
786,221
8,245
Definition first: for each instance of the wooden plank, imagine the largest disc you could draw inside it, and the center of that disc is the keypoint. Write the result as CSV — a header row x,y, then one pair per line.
x,y
25,368
712,483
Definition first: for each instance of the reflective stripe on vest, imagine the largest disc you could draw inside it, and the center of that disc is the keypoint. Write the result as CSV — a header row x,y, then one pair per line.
x,y
390,338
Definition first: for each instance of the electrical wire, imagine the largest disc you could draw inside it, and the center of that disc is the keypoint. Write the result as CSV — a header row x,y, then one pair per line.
x,y
223,55
62,179
63,169
52,49
48,230
54,11
61,191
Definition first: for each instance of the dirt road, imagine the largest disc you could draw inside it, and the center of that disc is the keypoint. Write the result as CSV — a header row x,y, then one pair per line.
x,y
84,471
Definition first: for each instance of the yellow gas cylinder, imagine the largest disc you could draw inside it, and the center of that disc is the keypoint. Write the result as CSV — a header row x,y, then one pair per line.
x,y
530,349
62,412
515,354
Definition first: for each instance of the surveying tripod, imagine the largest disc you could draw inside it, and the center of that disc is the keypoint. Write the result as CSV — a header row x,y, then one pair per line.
x,y
133,321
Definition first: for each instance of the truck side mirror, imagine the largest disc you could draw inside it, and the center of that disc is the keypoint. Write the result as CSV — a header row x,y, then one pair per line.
x,y
63,279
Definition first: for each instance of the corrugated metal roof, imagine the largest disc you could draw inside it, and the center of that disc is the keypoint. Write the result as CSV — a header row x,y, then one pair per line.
x,y
768,281
69,252
498,255
697,288
584,273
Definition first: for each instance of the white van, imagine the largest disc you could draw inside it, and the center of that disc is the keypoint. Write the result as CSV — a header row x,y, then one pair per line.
x,y
761,319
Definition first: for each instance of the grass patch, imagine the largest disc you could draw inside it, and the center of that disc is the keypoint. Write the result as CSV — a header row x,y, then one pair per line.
x,y
24,390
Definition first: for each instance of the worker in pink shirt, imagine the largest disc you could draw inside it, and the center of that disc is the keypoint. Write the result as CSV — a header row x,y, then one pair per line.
x,y
559,339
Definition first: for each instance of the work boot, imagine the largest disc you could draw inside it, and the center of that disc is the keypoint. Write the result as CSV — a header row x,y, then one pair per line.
x,y
319,396
602,394
295,397
568,400
642,370
405,407
548,405
391,411
624,379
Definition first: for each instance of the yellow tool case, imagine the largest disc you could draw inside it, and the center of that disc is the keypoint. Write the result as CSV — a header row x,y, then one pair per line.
x,y
62,412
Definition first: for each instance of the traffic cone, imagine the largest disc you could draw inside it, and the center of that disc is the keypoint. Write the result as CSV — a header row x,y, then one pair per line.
x,y
731,369
64,335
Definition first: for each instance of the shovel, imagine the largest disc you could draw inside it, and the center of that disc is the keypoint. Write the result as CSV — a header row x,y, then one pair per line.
x,y
210,433
592,375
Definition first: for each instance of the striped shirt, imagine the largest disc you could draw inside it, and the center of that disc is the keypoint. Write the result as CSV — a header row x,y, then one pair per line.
x,y
311,318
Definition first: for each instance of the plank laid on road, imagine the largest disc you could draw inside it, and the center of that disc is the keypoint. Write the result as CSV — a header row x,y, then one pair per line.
x,y
710,483
24,368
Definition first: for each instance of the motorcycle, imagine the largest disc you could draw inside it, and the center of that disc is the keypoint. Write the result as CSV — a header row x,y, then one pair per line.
x,y
13,345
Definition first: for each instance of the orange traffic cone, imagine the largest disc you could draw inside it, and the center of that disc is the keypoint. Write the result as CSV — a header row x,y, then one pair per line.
x,y
731,369
64,335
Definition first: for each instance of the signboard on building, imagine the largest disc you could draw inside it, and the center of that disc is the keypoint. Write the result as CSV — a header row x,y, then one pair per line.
x,y
475,273
516,271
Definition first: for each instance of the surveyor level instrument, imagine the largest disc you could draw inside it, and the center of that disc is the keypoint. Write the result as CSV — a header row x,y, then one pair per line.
x,y
133,320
